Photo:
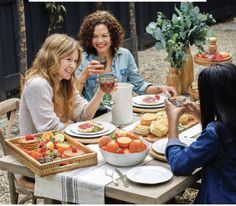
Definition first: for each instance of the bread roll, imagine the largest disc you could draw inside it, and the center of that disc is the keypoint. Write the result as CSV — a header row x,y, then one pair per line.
x,y
161,115
147,118
158,128
142,129
184,119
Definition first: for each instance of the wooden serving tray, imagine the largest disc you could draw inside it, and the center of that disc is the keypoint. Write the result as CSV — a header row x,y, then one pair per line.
x,y
152,138
42,169
147,110
206,62
158,156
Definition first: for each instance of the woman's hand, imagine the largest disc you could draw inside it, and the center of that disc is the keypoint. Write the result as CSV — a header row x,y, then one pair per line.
x,y
93,68
193,109
168,90
173,114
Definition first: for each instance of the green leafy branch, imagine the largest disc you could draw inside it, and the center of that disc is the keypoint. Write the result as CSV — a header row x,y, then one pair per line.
x,y
56,18
187,27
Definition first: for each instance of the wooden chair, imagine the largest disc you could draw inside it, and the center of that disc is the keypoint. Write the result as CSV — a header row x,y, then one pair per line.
x,y
17,184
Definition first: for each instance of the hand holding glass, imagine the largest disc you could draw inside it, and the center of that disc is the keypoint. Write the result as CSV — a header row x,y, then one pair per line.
x,y
107,83
102,60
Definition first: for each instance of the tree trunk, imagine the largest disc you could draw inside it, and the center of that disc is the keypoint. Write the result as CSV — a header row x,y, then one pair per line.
x,y
133,32
22,55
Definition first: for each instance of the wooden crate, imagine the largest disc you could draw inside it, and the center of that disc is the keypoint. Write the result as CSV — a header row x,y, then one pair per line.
x,y
43,169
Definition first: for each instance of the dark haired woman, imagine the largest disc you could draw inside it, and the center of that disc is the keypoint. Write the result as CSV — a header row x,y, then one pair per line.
x,y
101,35
215,148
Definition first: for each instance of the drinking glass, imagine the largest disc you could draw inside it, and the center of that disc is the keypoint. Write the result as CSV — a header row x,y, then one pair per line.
x,y
102,60
107,83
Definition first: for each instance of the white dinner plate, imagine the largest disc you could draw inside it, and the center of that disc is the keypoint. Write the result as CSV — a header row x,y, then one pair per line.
x,y
149,174
148,106
69,132
160,145
74,128
139,100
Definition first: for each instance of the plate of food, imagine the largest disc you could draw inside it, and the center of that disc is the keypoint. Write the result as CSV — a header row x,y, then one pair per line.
x,y
90,127
149,174
108,128
208,58
149,100
179,100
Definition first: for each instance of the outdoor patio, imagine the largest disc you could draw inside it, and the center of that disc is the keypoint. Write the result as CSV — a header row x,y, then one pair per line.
x,y
150,62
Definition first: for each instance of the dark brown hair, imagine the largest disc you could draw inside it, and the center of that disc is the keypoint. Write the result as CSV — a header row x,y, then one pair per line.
x,y
100,17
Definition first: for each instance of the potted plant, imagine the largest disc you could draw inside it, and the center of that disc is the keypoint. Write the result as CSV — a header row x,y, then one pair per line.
x,y
187,27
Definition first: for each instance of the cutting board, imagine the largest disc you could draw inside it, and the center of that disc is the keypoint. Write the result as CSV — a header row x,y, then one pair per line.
x,y
152,138
147,110
86,141
158,156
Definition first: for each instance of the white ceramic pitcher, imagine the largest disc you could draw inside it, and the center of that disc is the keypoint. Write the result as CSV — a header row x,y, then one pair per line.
x,y
122,110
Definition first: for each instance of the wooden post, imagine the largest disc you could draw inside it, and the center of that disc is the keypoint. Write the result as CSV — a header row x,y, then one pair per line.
x,y
133,32
22,37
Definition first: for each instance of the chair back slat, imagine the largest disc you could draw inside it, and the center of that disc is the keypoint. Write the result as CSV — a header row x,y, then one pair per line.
x,y
10,124
9,108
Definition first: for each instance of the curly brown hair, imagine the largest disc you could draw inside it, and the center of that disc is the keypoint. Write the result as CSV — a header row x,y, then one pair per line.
x,y
87,28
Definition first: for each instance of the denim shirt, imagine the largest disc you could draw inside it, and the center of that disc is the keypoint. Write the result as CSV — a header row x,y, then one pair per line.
x,y
123,67
217,159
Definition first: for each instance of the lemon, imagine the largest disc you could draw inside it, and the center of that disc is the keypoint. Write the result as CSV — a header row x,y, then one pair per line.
x,y
50,145
47,135
59,137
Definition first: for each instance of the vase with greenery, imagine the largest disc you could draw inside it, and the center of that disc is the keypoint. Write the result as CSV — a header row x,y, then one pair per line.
x,y
186,27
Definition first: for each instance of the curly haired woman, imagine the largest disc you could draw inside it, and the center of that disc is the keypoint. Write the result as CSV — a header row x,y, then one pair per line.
x,y
50,99
101,35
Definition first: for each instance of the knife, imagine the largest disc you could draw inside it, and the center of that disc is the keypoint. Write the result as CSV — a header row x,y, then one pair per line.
x,y
122,177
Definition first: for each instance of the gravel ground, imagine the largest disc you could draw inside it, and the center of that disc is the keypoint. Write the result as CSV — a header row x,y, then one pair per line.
x,y
154,69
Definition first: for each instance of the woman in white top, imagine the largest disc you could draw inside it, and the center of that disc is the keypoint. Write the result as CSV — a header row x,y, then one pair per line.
x,y
49,98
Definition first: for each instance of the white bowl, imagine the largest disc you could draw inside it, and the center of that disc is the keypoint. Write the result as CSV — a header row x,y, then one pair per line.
x,y
126,160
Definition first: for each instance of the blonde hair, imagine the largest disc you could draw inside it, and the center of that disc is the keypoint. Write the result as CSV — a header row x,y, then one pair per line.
x,y
46,64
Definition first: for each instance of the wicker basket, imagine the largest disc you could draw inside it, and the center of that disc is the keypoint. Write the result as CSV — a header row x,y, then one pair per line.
x,y
87,159
193,93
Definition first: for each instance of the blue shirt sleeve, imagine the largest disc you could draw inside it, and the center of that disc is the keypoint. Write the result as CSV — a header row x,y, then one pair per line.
x,y
184,160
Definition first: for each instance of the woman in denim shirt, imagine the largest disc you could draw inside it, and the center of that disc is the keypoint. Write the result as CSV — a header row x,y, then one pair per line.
x,y
101,35
215,148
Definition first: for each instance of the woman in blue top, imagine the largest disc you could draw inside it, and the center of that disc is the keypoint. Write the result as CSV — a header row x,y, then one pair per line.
x,y
101,35
215,149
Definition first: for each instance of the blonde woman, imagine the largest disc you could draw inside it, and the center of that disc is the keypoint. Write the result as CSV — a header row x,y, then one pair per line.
x,y
49,97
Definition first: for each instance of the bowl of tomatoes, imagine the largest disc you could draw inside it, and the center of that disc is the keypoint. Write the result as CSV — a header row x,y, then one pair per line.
x,y
124,149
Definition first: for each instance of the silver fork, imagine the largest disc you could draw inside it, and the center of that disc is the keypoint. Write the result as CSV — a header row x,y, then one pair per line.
x,y
110,173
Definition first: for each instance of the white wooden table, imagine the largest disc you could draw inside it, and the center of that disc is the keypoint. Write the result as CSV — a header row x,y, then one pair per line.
x,y
136,193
